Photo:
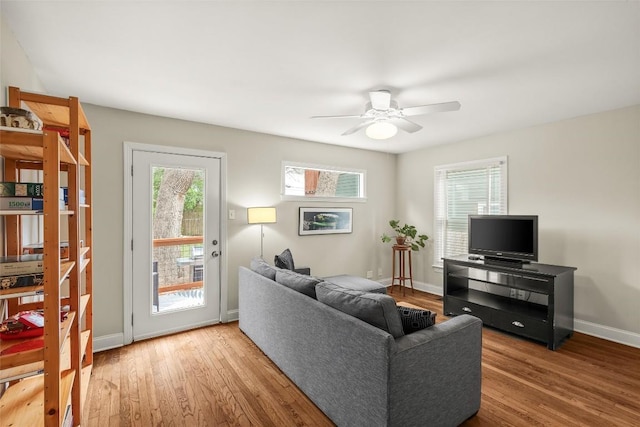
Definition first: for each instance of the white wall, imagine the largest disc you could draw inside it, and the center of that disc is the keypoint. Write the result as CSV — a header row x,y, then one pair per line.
x,y
15,70
582,177
15,67
254,167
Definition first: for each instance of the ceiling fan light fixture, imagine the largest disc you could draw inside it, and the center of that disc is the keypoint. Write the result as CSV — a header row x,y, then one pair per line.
x,y
381,130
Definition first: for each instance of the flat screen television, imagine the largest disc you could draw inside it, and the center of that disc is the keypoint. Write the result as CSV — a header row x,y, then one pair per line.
x,y
504,238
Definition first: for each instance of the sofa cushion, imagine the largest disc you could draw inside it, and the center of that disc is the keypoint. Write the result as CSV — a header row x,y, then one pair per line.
x,y
415,319
356,283
374,308
299,282
284,260
261,267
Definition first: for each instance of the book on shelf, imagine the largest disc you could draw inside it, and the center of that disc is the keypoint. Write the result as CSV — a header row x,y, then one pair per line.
x,y
31,189
38,248
21,264
25,203
11,282
64,195
22,203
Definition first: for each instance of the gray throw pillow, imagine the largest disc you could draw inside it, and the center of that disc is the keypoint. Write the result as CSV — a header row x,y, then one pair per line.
x,y
284,260
261,267
414,319
376,309
299,282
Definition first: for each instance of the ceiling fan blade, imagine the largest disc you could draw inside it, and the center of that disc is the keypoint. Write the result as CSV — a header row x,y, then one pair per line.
x,y
431,108
380,99
337,117
405,125
357,128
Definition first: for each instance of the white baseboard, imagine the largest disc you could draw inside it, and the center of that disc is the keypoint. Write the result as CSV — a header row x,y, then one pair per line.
x,y
419,286
107,342
605,332
632,339
233,315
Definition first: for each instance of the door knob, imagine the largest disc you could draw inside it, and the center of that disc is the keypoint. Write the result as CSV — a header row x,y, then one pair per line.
x,y
215,254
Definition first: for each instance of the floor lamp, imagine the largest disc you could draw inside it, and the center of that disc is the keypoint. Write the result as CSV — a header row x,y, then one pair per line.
x,y
261,216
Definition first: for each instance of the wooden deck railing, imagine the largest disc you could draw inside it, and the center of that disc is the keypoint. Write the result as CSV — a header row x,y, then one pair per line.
x,y
176,241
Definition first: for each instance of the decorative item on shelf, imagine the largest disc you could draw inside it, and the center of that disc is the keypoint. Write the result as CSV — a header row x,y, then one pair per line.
x,y
64,133
24,324
261,215
19,118
406,235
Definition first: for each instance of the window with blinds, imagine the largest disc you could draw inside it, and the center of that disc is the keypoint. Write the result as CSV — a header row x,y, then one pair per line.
x,y
463,189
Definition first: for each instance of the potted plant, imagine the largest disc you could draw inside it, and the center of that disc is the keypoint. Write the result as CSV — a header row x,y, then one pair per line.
x,y
406,235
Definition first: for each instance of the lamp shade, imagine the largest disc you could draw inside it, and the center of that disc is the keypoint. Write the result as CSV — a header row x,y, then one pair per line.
x,y
261,215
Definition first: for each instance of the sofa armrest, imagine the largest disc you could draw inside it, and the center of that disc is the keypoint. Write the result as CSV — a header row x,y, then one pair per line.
x,y
436,374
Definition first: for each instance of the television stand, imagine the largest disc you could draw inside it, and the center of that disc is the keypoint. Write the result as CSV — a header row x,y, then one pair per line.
x,y
507,262
480,288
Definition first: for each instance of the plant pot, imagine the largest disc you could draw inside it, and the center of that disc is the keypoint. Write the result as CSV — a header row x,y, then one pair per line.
x,y
400,240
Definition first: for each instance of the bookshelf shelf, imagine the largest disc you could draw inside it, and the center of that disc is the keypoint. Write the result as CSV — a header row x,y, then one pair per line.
x,y
24,403
17,360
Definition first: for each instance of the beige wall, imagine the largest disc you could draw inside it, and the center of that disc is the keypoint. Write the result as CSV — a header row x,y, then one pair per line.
x,y
253,177
582,177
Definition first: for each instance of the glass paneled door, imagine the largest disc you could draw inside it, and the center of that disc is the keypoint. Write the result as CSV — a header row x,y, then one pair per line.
x,y
176,223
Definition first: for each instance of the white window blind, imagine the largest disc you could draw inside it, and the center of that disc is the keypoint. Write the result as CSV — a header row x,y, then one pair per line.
x,y
463,189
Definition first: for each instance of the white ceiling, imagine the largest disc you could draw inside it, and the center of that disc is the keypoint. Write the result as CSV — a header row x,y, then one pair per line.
x,y
267,66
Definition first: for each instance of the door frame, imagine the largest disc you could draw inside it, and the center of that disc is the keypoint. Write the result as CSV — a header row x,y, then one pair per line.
x,y
127,270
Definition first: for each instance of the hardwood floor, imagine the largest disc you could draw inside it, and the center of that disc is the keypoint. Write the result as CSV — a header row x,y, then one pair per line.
x,y
216,376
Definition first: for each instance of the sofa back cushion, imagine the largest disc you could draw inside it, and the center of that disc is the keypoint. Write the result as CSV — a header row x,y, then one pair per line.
x,y
263,268
299,282
376,309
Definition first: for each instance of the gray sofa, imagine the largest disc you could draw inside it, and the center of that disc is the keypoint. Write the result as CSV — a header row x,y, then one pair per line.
x,y
356,373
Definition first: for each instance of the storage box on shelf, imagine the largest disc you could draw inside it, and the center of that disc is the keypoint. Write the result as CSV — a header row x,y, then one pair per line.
x,y
47,385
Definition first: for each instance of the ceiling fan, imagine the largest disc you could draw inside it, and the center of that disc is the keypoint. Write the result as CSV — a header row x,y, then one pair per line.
x,y
382,117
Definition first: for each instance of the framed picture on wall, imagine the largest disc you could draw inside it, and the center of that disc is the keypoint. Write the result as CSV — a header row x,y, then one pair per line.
x,y
325,221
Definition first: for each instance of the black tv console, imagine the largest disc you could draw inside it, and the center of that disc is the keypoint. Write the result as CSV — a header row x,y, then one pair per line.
x,y
482,289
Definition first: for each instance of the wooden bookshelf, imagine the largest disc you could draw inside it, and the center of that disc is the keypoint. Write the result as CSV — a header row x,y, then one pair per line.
x,y
47,386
